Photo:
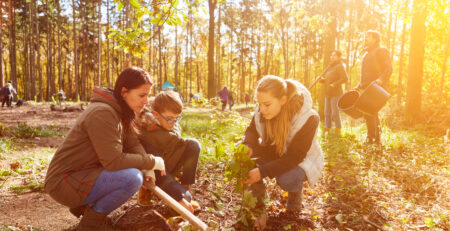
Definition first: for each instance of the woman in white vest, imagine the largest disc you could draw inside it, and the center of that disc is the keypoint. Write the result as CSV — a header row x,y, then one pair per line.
x,y
283,138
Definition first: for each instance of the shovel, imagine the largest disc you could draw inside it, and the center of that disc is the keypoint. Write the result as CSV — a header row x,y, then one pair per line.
x,y
177,207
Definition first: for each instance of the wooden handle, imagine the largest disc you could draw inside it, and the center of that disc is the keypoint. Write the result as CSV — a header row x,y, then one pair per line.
x,y
179,208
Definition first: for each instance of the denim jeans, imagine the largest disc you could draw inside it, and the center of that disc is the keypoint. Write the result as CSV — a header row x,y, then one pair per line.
x,y
187,165
332,112
112,189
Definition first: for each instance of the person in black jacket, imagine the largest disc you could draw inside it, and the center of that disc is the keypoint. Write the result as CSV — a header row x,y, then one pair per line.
x,y
333,78
376,66
282,136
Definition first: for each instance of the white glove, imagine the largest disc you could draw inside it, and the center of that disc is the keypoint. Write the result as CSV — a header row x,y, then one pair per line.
x,y
159,165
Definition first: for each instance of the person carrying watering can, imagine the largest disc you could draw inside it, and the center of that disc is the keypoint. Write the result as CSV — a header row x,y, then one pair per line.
x,y
375,66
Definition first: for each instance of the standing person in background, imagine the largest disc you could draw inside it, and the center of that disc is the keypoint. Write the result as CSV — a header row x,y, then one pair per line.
x,y
98,166
333,78
247,99
8,93
224,94
375,66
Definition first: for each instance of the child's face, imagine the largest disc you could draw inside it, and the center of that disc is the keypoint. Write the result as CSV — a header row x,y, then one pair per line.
x,y
167,119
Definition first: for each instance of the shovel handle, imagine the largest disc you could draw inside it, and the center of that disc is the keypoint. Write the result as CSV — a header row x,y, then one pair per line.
x,y
179,208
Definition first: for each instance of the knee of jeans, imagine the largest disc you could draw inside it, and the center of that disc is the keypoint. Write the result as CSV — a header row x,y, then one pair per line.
x,y
290,184
194,146
135,179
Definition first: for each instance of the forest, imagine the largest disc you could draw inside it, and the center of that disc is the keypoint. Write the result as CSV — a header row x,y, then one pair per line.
x,y
201,46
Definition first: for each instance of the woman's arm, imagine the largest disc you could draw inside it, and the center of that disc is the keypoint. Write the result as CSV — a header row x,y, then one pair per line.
x,y
296,151
251,135
102,127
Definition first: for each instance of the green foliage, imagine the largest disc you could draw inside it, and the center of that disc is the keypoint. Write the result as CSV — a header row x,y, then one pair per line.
x,y
238,167
24,131
134,40
217,132
6,145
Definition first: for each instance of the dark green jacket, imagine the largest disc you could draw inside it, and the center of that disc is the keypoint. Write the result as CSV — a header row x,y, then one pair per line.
x,y
170,144
96,142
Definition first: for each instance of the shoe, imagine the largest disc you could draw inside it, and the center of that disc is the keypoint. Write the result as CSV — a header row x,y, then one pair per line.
x,y
144,197
294,203
78,211
93,221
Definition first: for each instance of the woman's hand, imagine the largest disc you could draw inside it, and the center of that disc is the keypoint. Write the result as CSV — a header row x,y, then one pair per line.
x,y
254,176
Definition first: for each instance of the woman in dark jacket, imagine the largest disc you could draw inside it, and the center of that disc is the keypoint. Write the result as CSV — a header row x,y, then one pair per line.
x,y
333,77
98,166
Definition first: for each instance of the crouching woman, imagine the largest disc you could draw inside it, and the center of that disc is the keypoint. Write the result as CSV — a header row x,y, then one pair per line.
x,y
283,137
98,166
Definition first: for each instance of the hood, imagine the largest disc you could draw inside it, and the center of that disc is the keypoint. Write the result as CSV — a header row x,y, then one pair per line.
x,y
146,119
105,95
307,100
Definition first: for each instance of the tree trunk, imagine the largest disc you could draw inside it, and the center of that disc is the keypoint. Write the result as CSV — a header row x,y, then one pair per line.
x,y
176,57
444,67
49,55
75,49
12,46
416,55
60,78
211,85
218,48
2,81
34,45
400,65
108,67
99,44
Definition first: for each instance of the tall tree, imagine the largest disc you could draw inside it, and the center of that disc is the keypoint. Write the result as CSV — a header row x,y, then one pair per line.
x,y
211,83
99,61
12,42
416,57
2,81
75,50
108,67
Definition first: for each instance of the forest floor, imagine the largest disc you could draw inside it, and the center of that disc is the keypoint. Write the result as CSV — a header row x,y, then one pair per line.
x,y
402,185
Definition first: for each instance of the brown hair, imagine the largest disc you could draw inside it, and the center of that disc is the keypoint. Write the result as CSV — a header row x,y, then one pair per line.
x,y
374,34
129,78
277,129
168,101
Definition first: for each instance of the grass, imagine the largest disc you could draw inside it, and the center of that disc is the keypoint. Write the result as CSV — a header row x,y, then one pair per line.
x,y
217,132
403,184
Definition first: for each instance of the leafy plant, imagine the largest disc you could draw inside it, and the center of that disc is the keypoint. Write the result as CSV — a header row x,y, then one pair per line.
x,y
237,170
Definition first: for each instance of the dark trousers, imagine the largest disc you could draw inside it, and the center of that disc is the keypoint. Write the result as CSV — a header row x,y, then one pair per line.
x,y
187,166
224,105
7,100
373,128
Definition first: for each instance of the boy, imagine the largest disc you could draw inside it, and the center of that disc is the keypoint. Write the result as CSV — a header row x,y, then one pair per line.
x,y
161,135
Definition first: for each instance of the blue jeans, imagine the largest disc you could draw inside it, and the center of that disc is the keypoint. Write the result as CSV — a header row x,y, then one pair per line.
x,y
290,181
373,127
112,189
187,165
332,112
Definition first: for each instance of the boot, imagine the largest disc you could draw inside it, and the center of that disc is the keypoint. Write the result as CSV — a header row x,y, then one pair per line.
x,y
93,221
78,211
294,203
